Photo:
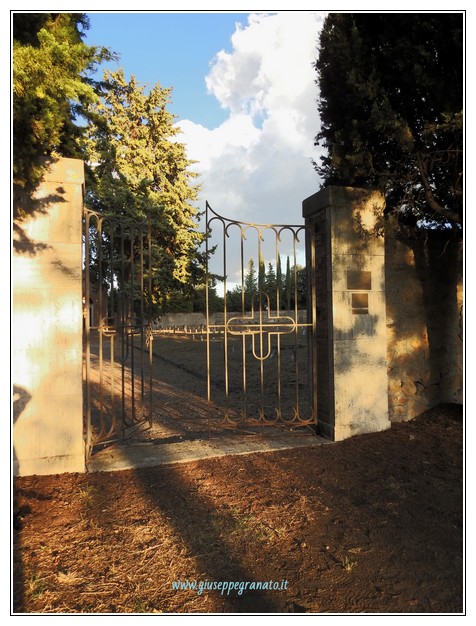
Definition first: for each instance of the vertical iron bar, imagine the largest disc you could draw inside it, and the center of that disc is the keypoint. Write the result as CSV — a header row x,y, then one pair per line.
x,y
278,338
99,324
87,337
260,318
141,281
113,315
122,291
313,279
296,322
113,396
131,327
151,340
243,343
225,321
110,310
207,314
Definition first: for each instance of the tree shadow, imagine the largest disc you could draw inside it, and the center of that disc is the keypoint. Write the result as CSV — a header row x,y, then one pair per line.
x,y
424,276
26,206
207,532
21,397
218,555
22,244
375,499
205,537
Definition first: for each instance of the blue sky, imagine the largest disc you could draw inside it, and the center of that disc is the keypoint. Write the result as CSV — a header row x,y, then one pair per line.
x,y
244,94
173,49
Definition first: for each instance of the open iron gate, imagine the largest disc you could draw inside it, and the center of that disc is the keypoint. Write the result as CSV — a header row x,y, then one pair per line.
x,y
260,360
261,353
117,350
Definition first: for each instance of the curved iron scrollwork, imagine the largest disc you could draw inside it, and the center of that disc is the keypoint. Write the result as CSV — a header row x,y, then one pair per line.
x,y
260,354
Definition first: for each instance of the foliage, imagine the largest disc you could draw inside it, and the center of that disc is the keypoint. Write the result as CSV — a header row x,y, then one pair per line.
x,y
251,284
288,284
391,108
139,170
136,167
51,64
270,285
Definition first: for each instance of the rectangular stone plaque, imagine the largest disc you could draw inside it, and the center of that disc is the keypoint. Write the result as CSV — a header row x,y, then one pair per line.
x,y
358,280
360,303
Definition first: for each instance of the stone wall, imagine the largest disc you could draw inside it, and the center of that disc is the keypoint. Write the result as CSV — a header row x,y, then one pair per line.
x,y
424,292
181,319
415,283
196,320
47,326
420,294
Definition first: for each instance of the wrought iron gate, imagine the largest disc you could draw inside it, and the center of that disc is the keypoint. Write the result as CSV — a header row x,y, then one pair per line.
x,y
261,356
117,362
258,367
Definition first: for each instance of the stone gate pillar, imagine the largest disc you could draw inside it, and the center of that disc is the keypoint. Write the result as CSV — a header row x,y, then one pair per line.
x,y
47,326
351,339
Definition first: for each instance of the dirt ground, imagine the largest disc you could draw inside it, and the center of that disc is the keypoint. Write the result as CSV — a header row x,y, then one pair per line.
x,y
176,395
372,524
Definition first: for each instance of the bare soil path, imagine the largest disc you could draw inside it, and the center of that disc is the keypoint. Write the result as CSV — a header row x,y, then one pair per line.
x,y
372,524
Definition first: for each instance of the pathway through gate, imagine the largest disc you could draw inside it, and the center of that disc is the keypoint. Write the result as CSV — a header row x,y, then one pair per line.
x,y
245,370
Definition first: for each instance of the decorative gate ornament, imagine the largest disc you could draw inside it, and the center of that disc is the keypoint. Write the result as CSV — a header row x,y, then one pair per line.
x,y
260,361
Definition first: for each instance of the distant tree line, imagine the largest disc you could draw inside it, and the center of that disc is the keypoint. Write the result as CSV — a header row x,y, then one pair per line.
x,y
272,287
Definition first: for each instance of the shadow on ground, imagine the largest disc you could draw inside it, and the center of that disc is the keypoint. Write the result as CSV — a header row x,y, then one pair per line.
x,y
372,524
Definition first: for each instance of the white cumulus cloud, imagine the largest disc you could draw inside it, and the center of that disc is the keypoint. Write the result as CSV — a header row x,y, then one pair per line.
x,y
256,166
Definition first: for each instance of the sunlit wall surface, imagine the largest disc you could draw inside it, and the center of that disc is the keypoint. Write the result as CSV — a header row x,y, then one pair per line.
x,y
47,327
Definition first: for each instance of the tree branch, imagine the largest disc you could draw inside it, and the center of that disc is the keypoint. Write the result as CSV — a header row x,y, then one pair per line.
x,y
435,206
